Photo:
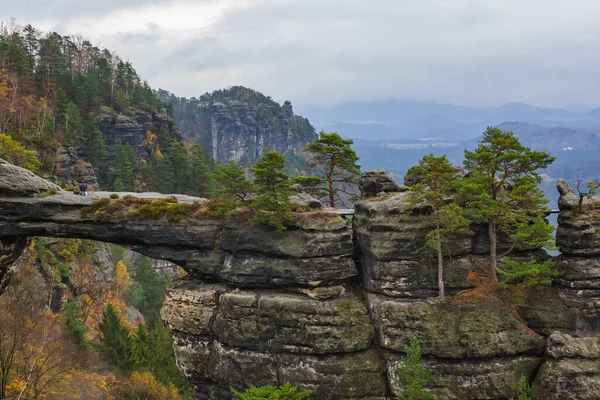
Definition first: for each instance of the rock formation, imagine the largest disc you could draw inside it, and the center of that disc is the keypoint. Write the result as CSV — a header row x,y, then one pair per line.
x,y
133,129
332,308
71,169
239,124
242,132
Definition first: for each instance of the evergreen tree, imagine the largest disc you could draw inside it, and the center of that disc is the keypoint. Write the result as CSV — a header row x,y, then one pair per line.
x,y
122,173
148,291
144,355
96,149
501,191
271,203
437,181
285,392
73,321
116,343
335,156
524,390
232,189
412,374
200,179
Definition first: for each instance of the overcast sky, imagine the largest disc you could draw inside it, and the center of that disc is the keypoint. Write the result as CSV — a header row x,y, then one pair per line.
x,y
543,52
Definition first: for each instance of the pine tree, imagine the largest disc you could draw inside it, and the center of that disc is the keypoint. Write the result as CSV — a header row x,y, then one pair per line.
x,y
501,191
148,291
116,343
73,321
285,392
122,173
271,203
336,157
524,390
232,188
412,374
437,182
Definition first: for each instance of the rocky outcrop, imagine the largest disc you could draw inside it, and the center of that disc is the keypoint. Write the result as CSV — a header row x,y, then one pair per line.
x,y
133,129
71,169
376,181
261,307
17,181
572,370
11,250
578,238
243,131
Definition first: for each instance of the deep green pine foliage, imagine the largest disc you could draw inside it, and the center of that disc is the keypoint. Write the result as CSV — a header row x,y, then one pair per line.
x,y
271,202
122,172
73,321
116,343
200,178
412,374
501,191
163,365
335,156
285,392
437,184
528,273
232,189
143,352
524,390
148,291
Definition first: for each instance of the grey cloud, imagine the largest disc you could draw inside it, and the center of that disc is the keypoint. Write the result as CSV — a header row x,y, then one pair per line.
x,y
327,51
25,10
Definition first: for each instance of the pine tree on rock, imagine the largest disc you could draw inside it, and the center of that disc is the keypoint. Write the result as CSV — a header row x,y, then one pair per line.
x,y
501,190
271,203
336,157
437,184
232,188
412,374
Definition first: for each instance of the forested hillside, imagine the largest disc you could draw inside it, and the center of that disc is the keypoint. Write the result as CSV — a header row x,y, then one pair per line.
x,y
58,92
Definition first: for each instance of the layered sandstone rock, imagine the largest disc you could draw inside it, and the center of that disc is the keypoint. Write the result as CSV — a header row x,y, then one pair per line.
x,y
572,370
333,309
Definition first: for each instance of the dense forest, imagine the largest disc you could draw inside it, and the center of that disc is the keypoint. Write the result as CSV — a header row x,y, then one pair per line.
x,y
54,92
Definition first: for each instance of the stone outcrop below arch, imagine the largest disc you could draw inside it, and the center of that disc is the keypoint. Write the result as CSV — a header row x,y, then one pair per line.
x,y
332,307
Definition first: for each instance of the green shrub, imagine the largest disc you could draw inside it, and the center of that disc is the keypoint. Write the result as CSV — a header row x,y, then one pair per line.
x,y
114,196
524,390
285,392
412,374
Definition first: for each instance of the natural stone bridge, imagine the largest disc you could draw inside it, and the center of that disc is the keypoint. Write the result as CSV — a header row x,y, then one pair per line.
x,y
332,308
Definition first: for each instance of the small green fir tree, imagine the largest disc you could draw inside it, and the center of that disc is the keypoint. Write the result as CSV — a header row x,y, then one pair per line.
x,y
412,374
285,392
524,390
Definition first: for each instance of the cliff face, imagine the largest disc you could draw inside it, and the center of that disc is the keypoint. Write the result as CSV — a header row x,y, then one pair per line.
x,y
243,132
133,129
240,124
332,308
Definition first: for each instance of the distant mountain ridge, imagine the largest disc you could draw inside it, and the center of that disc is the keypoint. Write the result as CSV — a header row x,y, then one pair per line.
x,y
554,139
409,119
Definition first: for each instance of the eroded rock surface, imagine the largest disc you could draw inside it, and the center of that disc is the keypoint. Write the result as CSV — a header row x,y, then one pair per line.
x,y
573,370
333,309
17,181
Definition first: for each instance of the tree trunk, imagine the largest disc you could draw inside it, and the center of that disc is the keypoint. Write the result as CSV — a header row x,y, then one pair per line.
x,y
493,256
440,267
331,189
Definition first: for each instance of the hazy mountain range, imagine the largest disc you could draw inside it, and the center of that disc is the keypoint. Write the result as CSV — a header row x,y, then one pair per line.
x,y
409,119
